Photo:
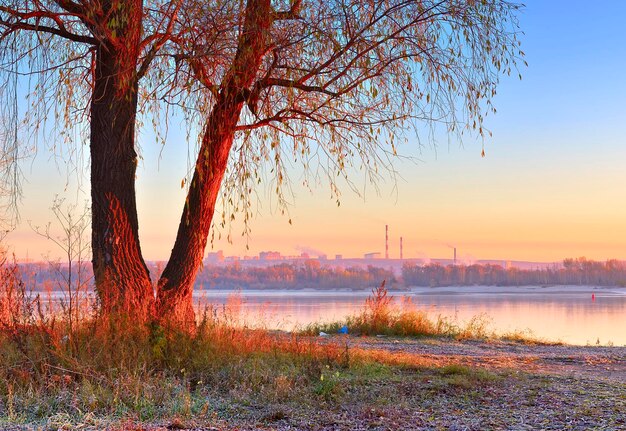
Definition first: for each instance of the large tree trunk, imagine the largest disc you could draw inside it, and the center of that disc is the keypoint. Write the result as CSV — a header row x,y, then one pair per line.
x,y
122,278
175,287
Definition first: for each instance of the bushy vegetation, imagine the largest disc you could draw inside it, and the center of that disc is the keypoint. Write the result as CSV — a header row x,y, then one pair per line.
x,y
382,316
308,274
117,370
580,271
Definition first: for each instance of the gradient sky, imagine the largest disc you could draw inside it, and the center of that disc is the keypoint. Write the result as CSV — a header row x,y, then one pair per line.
x,y
552,184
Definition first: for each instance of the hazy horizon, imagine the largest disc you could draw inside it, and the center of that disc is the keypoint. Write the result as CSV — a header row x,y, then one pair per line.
x,y
549,188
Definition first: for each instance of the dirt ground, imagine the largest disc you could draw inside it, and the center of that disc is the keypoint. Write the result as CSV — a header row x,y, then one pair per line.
x,y
533,387
456,385
595,362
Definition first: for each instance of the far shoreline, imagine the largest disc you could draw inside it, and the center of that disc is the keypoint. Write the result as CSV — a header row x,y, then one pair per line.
x,y
423,290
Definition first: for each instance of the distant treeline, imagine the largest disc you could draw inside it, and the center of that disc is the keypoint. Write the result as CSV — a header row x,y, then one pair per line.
x,y
314,274
310,274
579,271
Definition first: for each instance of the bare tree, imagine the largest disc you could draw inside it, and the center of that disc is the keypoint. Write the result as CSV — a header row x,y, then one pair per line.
x,y
69,235
85,60
327,82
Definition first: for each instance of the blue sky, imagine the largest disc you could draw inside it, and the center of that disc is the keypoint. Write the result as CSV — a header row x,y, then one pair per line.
x,y
551,184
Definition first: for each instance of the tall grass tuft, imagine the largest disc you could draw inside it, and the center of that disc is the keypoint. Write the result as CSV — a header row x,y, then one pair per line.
x,y
382,316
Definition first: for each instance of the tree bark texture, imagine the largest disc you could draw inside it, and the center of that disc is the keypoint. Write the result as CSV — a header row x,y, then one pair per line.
x,y
121,275
175,287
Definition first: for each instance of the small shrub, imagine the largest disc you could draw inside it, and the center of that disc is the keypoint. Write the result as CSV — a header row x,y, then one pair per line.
x,y
382,316
328,387
476,328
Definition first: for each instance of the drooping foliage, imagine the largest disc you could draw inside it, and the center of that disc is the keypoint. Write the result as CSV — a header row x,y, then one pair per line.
x,y
79,65
329,84
341,81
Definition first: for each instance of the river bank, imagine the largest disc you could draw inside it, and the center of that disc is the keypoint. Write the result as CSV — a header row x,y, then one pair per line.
x,y
441,384
404,384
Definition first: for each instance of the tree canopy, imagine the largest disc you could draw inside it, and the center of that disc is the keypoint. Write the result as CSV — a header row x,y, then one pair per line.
x,y
340,81
331,84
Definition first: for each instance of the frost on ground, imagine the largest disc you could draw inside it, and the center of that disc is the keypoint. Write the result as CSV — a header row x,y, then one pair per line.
x,y
430,384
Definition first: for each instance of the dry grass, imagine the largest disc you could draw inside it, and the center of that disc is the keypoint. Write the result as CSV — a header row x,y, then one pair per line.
x,y
99,372
382,316
54,372
527,337
113,368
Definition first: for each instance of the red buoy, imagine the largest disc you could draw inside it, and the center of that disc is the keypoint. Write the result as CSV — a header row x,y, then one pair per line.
x,y
593,296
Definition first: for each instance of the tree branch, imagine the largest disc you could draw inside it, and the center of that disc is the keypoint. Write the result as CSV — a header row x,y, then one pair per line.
x,y
292,13
161,39
20,21
13,27
288,83
71,7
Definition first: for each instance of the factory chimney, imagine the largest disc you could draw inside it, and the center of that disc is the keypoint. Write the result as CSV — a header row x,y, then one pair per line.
x,y
455,255
386,241
400,248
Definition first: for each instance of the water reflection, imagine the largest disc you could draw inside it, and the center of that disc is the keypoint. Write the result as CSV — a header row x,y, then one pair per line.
x,y
568,314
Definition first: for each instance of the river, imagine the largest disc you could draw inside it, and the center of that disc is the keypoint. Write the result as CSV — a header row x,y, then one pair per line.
x,y
570,314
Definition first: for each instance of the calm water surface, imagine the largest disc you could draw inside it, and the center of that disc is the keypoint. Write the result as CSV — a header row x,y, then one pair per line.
x,y
560,313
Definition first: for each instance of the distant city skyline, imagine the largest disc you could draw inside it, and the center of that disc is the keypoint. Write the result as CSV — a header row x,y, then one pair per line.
x,y
272,257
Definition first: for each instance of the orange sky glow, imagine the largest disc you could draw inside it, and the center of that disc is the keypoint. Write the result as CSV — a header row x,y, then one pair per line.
x,y
552,184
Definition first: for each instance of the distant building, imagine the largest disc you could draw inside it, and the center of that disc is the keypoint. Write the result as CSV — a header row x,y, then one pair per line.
x,y
338,256
270,255
375,255
216,257
304,256
322,257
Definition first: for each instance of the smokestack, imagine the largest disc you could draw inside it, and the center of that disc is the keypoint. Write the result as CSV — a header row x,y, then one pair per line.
x,y
386,241
455,255
400,248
